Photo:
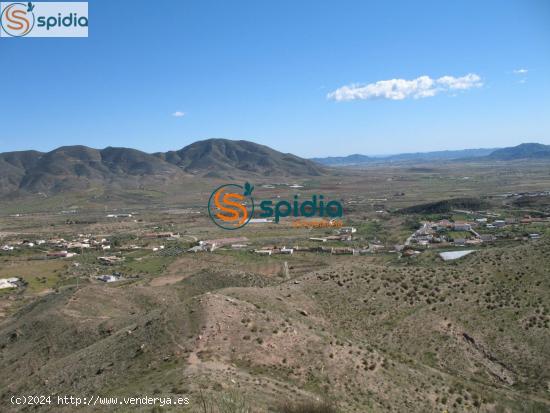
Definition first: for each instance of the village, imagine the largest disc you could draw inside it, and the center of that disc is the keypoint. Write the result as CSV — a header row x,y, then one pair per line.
x,y
448,237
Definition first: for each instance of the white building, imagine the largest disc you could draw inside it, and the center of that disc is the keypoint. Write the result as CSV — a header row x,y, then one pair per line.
x,y
8,282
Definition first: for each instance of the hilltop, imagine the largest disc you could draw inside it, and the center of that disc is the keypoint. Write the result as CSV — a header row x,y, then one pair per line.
x,y
220,157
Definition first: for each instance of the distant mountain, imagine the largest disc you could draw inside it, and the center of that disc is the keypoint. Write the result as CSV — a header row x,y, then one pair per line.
x,y
418,156
79,167
442,155
523,151
220,157
355,159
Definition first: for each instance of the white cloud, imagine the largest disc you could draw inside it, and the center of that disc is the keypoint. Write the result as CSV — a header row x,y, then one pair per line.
x,y
178,114
521,71
399,89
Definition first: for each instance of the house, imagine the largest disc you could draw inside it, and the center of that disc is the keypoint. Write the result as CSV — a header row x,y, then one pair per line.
x,y
109,260
534,236
286,250
60,254
158,235
215,243
73,245
238,246
12,282
443,225
462,226
499,223
263,252
474,241
347,230
260,220
460,241
487,238
108,278
343,251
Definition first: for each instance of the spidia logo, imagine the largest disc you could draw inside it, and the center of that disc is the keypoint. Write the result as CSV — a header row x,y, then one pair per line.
x,y
44,19
231,206
17,19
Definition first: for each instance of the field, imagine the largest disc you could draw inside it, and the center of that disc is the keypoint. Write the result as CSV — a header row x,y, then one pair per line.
x,y
391,327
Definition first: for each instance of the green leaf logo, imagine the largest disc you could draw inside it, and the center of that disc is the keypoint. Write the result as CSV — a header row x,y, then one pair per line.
x,y
248,189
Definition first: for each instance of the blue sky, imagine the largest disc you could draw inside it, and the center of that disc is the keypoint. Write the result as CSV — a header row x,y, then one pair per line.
x,y
264,71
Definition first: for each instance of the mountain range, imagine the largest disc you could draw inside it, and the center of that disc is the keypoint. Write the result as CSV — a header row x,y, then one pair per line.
x,y
523,151
79,167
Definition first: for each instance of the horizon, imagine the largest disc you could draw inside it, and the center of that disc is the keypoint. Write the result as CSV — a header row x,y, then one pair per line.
x,y
371,155
231,71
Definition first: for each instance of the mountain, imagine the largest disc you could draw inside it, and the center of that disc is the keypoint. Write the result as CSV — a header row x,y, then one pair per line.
x,y
79,167
357,159
523,151
219,157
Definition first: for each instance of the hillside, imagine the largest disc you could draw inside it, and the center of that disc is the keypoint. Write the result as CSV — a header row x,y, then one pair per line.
x,y
71,168
464,337
77,168
447,205
523,151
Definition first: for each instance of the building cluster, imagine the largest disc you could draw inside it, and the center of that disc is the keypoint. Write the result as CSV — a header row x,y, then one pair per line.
x,y
213,244
463,233
59,247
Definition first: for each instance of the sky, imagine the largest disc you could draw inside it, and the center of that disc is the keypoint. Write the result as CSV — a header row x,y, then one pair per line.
x,y
314,78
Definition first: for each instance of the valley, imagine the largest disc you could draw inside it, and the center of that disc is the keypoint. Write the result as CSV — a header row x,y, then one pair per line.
x,y
137,292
